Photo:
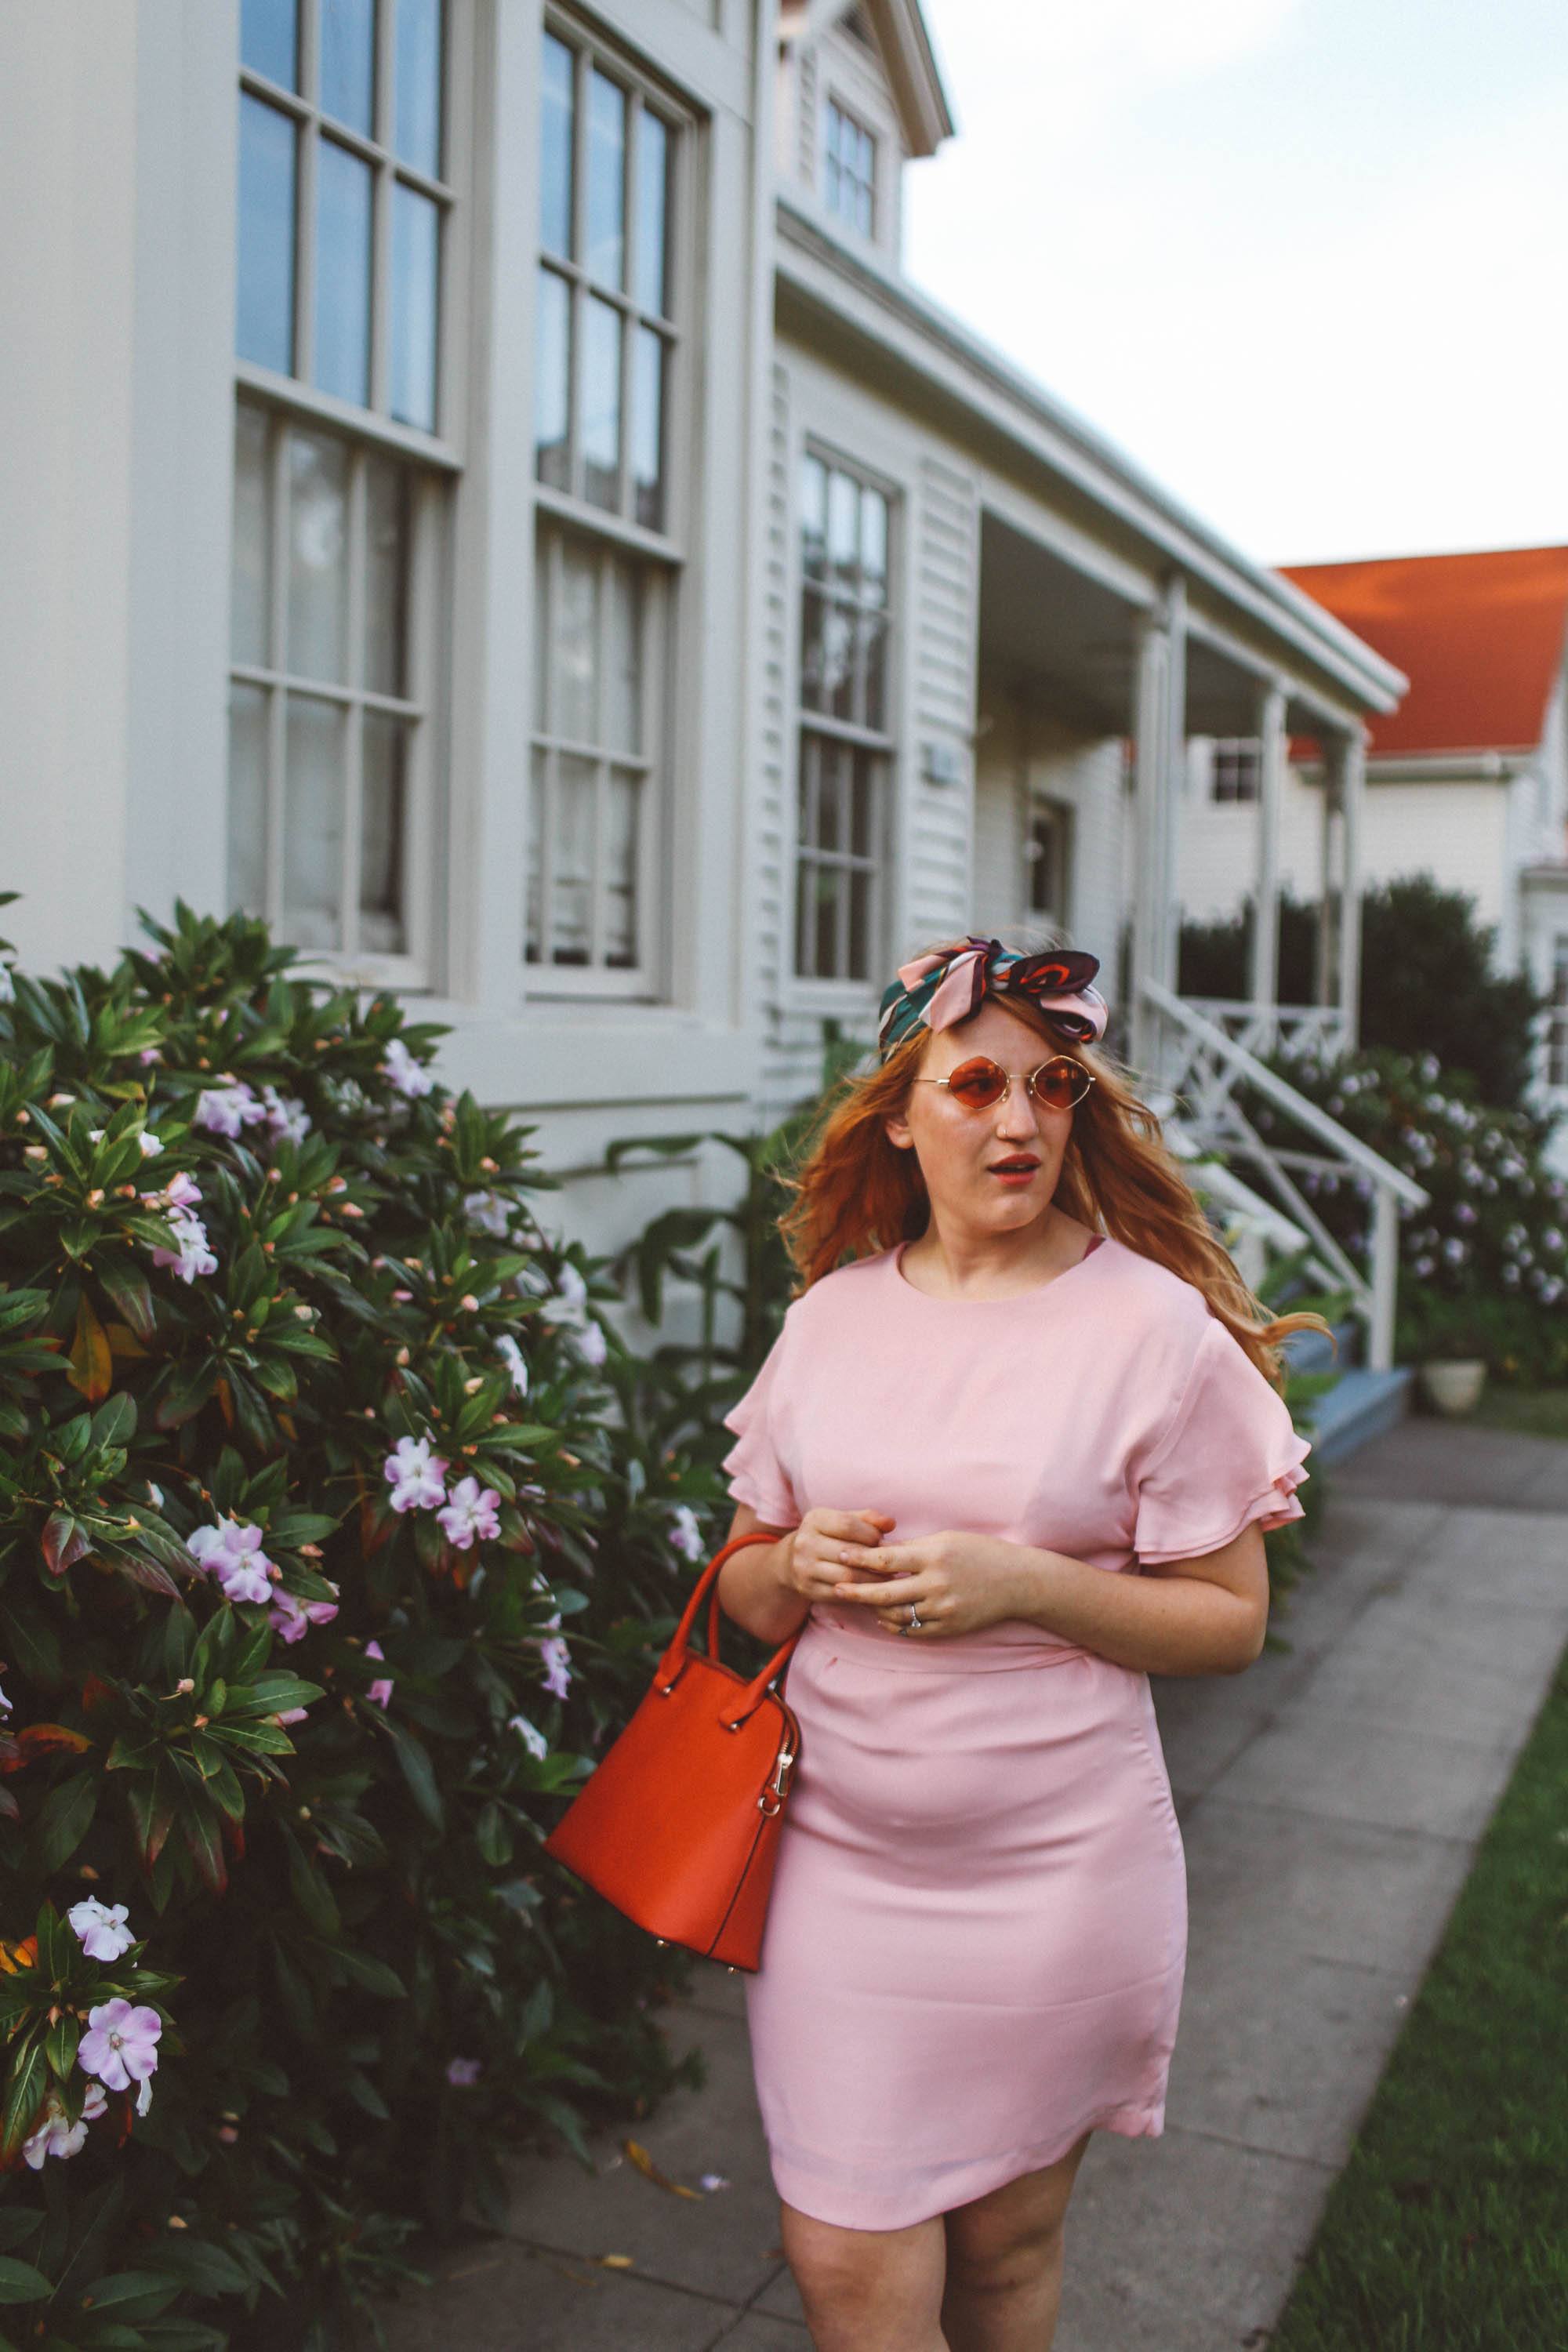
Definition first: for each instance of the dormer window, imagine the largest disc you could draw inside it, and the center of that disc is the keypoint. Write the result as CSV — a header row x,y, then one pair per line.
x,y
849,169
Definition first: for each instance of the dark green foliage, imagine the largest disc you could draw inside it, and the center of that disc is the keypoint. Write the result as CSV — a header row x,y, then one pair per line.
x,y
1427,983
1484,1267
330,1857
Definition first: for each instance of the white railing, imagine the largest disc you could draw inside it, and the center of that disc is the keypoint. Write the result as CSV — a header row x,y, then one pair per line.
x,y
1264,1028
1201,1066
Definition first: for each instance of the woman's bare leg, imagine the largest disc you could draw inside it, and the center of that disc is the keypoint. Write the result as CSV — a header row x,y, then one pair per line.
x,y
1005,2261
867,2289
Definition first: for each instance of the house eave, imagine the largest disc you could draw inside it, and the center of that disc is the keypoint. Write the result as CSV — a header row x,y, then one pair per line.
x,y
863,302
902,35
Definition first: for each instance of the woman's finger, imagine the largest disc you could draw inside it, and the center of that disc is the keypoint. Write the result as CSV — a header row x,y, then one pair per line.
x,y
895,1592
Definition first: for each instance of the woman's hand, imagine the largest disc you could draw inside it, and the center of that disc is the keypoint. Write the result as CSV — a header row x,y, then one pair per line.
x,y
958,1582
816,1557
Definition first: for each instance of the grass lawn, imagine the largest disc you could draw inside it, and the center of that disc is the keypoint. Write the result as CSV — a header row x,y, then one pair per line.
x,y
1447,2231
1540,1412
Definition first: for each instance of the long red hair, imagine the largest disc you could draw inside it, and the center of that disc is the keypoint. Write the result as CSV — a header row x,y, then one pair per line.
x,y
855,1192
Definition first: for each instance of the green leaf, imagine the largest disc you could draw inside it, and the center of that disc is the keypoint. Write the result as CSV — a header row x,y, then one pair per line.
x,y
23,2095
132,2294
20,2283
420,1774
125,1285
64,1819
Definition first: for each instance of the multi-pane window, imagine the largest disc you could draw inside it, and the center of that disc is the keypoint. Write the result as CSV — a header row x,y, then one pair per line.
x,y
604,325
606,343
1237,766
1046,853
849,169
327,741
345,196
598,636
1557,1030
846,748
342,198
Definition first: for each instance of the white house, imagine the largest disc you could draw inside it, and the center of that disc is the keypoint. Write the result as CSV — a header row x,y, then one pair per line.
x,y
481,489
1467,779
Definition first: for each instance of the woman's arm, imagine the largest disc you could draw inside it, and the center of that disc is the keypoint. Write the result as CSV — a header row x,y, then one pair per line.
x,y
1207,1615
753,1586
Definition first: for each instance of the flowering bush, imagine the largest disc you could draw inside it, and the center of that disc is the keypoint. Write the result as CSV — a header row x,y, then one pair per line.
x,y
325,1565
1484,1267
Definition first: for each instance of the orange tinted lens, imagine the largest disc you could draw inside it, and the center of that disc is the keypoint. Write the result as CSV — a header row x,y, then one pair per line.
x,y
976,1084
1059,1084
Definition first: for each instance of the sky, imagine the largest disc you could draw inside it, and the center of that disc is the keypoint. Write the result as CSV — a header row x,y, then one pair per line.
x,y
1305,261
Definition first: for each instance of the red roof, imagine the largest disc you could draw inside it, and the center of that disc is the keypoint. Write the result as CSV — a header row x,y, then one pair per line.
x,y
1480,638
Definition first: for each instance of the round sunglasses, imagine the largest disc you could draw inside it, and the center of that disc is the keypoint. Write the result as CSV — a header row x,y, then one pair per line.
x,y
1058,1083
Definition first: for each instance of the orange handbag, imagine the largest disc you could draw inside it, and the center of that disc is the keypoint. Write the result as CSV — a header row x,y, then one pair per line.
x,y
679,1823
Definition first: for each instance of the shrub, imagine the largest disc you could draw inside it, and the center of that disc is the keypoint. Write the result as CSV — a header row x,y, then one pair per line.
x,y
324,1568
1427,983
1494,1239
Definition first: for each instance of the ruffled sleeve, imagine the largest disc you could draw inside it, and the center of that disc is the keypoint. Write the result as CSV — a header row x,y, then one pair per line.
x,y
755,1471
1232,1455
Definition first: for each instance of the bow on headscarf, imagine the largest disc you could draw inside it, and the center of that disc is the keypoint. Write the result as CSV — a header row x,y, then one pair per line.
x,y
933,991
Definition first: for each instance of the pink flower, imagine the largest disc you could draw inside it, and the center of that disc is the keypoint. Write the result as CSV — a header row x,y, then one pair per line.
x,y
463,2073
292,1715
409,1076
292,1618
55,2135
686,1534
100,1927
191,1255
225,1110
233,1553
181,1191
120,2046
471,1512
381,1689
554,1654
415,1476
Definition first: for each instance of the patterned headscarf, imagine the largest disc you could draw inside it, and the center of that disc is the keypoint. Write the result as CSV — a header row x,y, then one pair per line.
x,y
933,991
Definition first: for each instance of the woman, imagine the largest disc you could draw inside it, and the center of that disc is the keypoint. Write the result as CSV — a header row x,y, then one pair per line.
x,y
1020,1452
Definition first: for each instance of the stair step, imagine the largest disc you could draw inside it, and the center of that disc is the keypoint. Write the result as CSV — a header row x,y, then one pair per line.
x,y
1360,1405
1310,1351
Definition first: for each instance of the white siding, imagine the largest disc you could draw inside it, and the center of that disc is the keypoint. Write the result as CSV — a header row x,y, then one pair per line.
x,y
945,621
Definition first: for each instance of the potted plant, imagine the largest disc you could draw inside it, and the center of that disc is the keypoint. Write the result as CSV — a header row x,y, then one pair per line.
x,y
1453,1353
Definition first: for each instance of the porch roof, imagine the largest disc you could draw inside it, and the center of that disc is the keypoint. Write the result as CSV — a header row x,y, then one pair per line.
x,y
1481,636
828,292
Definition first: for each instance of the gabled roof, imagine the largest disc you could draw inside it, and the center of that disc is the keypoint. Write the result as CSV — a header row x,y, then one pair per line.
x,y
899,34
1480,638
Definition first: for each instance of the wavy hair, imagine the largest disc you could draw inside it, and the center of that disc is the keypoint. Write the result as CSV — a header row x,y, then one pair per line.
x,y
855,1193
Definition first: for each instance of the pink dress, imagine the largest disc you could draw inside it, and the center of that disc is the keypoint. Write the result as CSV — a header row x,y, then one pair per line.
x,y
976,1937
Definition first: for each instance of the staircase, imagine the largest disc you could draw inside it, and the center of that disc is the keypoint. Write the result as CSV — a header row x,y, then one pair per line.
x,y
1198,1071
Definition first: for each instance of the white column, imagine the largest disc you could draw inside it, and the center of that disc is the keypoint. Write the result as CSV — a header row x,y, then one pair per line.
x,y
1150,715
1323,966
1352,765
1265,987
1174,781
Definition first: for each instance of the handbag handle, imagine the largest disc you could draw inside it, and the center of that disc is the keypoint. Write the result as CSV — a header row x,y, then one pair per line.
x,y
674,1659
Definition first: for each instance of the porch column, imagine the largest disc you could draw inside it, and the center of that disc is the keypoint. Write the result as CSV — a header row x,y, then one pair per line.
x,y
1148,760
1159,727
1175,780
1271,792
1323,961
1350,764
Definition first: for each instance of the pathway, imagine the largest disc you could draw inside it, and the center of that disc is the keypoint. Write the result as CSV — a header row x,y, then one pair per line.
x,y
1330,1802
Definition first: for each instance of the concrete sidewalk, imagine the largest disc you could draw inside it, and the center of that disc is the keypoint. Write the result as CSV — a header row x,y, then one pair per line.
x,y
1330,1802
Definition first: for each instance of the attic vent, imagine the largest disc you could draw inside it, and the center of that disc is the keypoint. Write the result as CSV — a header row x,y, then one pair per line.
x,y
855,22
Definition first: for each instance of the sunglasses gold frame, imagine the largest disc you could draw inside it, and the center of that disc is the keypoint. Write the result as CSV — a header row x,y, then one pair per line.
x,y
1007,1076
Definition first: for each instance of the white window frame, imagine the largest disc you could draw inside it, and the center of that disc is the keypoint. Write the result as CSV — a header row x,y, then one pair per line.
x,y
1061,813
1556,1055
1235,774
662,552
435,461
880,744
833,167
